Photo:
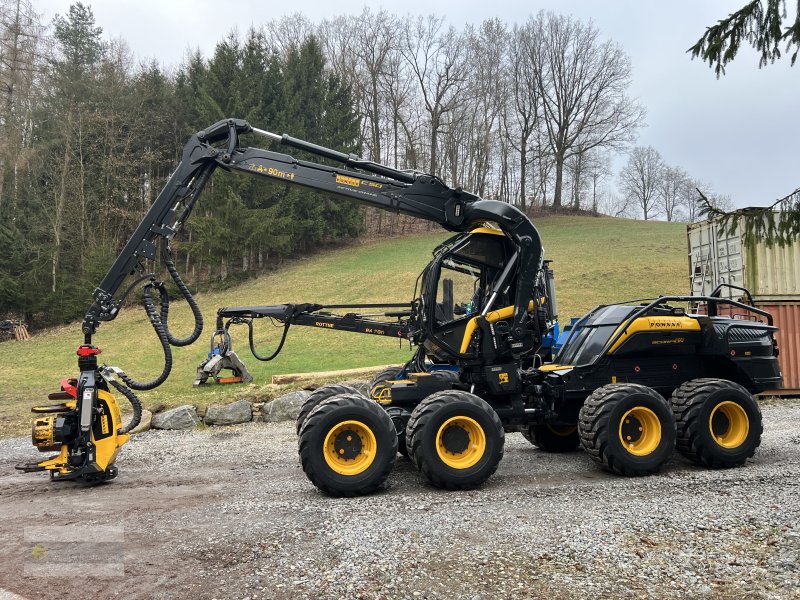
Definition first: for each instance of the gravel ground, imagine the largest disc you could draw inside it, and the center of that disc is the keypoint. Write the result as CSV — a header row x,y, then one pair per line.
x,y
228,513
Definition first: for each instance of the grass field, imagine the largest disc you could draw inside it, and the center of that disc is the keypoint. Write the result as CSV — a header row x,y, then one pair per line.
x,y
596,260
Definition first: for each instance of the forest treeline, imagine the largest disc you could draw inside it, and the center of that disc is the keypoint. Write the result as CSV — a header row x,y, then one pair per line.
x,y
529,114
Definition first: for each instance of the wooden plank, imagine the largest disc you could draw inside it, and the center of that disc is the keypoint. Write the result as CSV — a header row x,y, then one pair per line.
x,y
342,374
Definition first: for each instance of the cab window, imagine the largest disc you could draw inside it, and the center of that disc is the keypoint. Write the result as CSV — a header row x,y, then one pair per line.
x,y
459,292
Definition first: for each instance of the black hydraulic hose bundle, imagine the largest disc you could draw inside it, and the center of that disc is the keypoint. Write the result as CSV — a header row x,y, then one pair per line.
x,y
160,322
158,326
187,295
135,403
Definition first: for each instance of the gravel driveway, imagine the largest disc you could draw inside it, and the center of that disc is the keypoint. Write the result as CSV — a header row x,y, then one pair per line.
x,y
228,513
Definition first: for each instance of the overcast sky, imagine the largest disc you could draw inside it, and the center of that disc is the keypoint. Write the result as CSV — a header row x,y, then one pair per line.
x,y
739,133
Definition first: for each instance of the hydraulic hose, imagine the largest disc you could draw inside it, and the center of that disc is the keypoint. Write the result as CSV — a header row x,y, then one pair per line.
x,y
253,345
187,295
135,403
155,320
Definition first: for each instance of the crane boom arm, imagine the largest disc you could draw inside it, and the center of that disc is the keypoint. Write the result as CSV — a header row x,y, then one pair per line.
x,y
417,195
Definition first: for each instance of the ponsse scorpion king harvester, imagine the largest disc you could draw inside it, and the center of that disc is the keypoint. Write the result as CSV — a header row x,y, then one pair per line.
x,y
482,321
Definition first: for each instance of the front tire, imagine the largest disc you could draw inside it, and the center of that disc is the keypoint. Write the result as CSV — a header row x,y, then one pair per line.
x,y
719,422
628,428
348,446
455,439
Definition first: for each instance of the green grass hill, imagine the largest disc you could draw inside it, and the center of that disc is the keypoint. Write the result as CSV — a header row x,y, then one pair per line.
x,y
596,260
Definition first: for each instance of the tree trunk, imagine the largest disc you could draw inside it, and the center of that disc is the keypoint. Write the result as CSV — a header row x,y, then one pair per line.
x,y
559,180
523,168
434,144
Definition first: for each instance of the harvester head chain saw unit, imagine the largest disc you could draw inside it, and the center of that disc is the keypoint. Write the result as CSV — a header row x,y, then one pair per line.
x,y
85,429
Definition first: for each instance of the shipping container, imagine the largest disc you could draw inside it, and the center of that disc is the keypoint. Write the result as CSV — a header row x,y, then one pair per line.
x,y
717,255
770,273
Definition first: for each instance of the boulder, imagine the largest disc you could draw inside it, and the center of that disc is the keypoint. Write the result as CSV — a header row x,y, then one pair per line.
x,y
358,384
183,417
284,408
229,414
144,424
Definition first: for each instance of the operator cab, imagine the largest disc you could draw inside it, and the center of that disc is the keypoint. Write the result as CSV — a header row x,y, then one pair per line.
x,y
456,285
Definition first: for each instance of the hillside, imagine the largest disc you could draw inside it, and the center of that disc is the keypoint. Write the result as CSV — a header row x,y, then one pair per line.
x,y
596,260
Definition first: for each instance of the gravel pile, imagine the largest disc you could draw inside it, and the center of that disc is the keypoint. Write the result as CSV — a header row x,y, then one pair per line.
x,y
228,513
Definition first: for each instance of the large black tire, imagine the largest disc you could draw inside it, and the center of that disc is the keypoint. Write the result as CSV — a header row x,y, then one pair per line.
x,y
627,428
718,421
378,382
400,417
318,395
552,439
456,439
359,430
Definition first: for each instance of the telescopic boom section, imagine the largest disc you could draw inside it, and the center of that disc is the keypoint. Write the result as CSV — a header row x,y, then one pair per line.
x,y
417,195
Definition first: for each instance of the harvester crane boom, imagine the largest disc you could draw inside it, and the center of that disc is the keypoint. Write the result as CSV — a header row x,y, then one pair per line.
x,y
417,195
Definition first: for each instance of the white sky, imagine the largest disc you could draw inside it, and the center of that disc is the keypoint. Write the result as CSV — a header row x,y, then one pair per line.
x,y
738,133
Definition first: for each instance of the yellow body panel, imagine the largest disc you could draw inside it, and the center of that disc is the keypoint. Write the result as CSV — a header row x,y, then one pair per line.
x,y
650,324
489,230
555,367
492,317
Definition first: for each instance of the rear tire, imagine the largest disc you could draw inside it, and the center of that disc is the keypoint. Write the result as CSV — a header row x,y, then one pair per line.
x,y
627,428
319,395
553,439
456,439
348,446
718,421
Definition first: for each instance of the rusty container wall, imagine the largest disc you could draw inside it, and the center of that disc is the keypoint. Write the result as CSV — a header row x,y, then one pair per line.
x,y
786,316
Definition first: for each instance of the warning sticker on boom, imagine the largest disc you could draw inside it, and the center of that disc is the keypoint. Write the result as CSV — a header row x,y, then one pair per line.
x,y
344,179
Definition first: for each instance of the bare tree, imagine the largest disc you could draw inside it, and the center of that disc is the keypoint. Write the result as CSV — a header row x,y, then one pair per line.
x,y
288,32
21,63
437,59
615,205
670,189
598,168
640,179
522,116
583,83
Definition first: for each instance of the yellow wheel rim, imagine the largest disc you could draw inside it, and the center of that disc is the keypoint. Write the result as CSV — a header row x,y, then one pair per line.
x,y
729,424
350,447
640,431
460,442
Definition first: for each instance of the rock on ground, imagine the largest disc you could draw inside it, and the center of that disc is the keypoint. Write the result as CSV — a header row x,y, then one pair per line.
x,y
182,417
229,414
144,424
284,408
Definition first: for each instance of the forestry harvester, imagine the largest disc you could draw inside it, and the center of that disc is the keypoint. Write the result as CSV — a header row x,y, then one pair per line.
x,y
630,382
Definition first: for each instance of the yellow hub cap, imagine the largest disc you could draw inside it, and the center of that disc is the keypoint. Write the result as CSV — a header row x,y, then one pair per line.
x,y
729,424
460,442
350,447
640,431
